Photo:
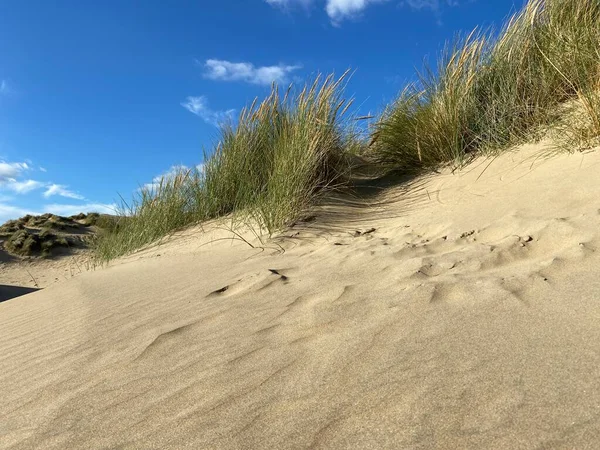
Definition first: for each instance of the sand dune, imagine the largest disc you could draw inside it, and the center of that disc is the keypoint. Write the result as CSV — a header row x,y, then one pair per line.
x,y
461,312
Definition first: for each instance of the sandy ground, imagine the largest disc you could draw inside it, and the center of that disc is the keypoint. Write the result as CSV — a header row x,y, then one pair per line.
x,y
41,273
462,311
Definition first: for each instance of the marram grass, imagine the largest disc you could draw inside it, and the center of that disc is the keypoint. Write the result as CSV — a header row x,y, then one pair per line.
x,y
267,168
488,94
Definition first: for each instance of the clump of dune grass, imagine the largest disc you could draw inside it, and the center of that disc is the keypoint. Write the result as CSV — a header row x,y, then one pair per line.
x,y
427,124
280,155
266,169
489,93
28,242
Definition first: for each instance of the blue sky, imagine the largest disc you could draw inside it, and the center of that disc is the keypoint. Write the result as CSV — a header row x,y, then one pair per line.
x,y
100,97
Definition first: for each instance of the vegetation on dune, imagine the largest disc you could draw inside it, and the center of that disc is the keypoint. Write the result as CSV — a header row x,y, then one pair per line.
x,y
282,153
487,93
267,168
27,243
44,235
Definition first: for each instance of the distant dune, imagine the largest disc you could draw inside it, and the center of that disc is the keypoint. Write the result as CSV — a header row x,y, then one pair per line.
x,y
460,311
36,251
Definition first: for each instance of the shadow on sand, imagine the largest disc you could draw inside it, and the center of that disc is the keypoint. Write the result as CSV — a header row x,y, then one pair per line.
x,y
10,292
367,199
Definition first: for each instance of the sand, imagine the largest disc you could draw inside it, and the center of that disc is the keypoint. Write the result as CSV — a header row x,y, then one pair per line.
x,y
468,318
39,273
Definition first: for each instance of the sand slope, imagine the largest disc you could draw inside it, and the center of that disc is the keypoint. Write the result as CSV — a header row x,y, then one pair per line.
x,y
469,318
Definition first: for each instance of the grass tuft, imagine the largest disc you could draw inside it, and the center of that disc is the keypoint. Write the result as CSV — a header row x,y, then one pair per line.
x,y
488,94
268,168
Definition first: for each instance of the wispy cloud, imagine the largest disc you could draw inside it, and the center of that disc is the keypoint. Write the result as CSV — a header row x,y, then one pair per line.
x,y
4,88
10,174
10,171
434,5
217,69
42,169
286,4
23,187
12,178
199,106
62,191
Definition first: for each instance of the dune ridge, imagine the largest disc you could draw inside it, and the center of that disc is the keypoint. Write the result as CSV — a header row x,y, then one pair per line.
x,y
462,315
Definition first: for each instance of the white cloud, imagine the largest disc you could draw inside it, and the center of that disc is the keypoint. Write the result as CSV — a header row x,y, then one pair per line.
x,y
59,189
11,178
339,10
216,69
10,171
23,187
42,169
71,210
9,174
199,106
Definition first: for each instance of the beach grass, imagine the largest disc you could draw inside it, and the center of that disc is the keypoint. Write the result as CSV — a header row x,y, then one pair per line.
x,y
267,168
490,92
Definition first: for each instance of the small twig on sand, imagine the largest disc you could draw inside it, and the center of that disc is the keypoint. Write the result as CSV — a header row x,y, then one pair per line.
x,y
32,278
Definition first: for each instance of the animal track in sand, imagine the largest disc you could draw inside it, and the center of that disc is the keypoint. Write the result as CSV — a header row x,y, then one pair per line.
x,y
515,257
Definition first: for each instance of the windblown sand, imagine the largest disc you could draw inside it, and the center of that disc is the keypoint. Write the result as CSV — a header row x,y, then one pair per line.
x,y
469,318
